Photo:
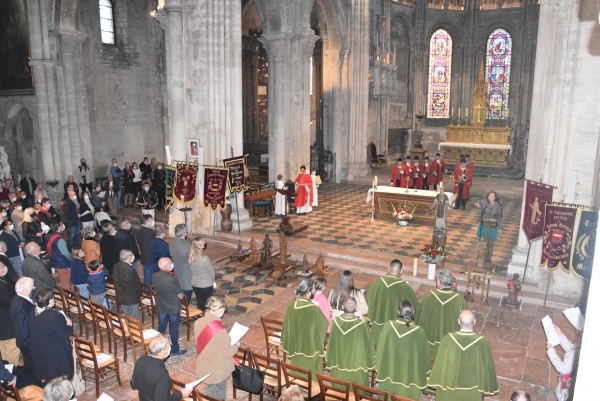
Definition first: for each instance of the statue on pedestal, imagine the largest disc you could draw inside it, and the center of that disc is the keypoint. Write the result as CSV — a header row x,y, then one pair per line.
x,y
305,268
320,265
514,286
282,248
253,250
239,248
441,205
4,166
265,255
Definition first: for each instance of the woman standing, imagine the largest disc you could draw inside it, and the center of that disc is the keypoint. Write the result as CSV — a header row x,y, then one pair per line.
x,y
32,230
49,332
90,246
108,248
79,273
137,179
13,244
129,188
203,273
86,210
491,209
17,217
214,349
345,288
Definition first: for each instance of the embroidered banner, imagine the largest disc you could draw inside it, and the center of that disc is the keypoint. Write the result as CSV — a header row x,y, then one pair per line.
x,y
170,174
185,184
536,197
236,167
215,186
582,255
558,237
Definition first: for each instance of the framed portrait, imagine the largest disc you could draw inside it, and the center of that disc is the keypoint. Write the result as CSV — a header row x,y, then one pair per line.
x,y
193,150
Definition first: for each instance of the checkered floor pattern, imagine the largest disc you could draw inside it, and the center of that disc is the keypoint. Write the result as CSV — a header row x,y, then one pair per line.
x,y
344,218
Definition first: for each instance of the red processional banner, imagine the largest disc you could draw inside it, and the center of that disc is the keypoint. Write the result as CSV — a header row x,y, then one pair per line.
x,y
537,196
185,183
558,237
215,186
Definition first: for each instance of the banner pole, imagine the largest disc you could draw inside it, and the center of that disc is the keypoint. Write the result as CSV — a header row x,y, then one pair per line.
x,y
547,287
214,223
526,263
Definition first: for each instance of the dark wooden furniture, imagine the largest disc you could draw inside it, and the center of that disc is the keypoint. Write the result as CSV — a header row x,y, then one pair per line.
x,y
266,196
377,160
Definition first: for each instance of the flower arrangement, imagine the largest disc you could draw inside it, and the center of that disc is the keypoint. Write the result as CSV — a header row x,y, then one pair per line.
x,y
404,213
433,253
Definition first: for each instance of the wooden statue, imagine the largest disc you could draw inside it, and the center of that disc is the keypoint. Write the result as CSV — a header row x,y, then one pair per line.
x,y
282,248
253,250
441,206
514,286
305,269
265,256
240,249
320,265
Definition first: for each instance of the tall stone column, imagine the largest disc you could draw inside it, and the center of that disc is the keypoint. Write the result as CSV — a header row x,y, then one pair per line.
x,y
337,62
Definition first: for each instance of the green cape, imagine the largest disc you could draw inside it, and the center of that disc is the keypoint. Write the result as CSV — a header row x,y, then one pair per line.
x,y
438,316
402,359
303,335
464,368
350,351
384,297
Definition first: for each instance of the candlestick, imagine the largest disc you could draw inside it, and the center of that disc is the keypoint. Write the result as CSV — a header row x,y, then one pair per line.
x,y
375,182
467,112
453,112
415,267
459,113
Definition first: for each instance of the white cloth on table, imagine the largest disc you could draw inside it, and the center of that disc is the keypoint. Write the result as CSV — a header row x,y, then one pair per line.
x,y
418,192
279,199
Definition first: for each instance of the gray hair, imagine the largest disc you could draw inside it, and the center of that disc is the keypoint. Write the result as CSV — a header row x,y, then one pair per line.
x,y
107,228
159,230
58,389
30,247
3,244
24,283
349,305
156,345
304,287
180,230
446,277
124,254
123,223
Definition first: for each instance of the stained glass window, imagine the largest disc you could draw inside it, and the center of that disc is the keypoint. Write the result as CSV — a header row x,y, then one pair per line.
x,y
440,65
107,24
497,73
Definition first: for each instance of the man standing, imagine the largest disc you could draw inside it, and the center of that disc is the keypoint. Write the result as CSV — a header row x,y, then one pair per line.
x,y
168,302
28,185
439,309
72,216
117,173
13,276
179,249
471,167
304,330
85,177
4,191
146,171
397,173
461,352
20,309
160,248
437,169
35,268
127,284
304,197
350,351
385,295
144,237
112,194
60,256
159,186
8,341
126,240
148,200
407,173
462,182
417,173
150,376
427,177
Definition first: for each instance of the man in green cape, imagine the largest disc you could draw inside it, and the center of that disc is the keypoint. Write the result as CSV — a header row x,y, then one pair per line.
x,y
439,309
464,369
402,355
384,296
304,330
350,351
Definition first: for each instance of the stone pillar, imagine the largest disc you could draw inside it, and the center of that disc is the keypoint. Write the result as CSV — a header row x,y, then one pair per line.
x,y
337,62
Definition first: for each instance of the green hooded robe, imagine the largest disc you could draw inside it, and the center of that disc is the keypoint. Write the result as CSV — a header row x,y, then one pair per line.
x,y
384,297
464,368
350,351
402,359
303,335
438,316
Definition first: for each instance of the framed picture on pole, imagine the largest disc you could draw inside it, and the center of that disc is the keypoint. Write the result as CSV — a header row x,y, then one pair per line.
x,y
193,149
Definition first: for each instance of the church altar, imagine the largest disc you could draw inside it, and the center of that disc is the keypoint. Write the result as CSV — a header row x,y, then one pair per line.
x,y
418,200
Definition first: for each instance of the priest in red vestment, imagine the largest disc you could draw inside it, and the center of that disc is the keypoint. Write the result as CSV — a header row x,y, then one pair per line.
x,y
407,174
462,178
304,195
437,169
397,173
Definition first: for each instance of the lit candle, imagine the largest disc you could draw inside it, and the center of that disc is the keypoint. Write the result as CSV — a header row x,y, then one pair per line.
x,y
459,112
375,180
415,267
467,111
453,112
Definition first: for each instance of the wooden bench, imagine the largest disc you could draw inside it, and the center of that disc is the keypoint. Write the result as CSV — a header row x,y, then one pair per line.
x,y
266,196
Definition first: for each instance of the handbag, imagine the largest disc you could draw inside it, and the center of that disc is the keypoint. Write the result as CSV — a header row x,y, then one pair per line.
x,y
77,381
248,378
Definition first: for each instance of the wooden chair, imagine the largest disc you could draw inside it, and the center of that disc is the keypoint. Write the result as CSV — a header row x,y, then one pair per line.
x,y
476,280
239,356
302,378
329,392
381,395
198,396
188,315
59,302
119,331
148,303
74,311
376,159
272,368
111,294
272,329
394,397
136,336
102,324
101,365
29,393
89,317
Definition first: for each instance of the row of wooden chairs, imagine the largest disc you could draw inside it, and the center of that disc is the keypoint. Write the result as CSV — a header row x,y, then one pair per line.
x,y
94,362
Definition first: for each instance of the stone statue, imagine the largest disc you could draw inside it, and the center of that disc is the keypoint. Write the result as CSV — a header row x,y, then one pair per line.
x,y
239,250
253,251
514,286
443,207
320,265
305,269
4,166
265,256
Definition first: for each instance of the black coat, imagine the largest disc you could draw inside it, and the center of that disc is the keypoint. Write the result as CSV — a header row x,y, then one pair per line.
x,y
126,240
30,229
12,275
50,345
109,252
146,170
25,188
167,290
38,271
20,309
71,213
144,237
127,283
152,380
7,292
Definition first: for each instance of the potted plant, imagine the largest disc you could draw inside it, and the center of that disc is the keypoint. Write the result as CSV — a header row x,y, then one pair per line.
x,y
432,254
403,214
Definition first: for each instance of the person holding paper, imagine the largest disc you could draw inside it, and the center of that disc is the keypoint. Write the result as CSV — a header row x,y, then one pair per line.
x,y
213,348
564,367
86,211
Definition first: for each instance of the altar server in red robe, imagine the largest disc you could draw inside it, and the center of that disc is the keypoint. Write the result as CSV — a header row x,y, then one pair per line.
x,y
438,169
417,170
304,196
407,174
462,178
396,173
428,178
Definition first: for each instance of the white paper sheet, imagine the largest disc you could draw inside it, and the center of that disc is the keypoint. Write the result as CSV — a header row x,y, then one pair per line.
x,y
9,367
550,332
86,212
101,358
150,333
101,194
104,397
191,385
237,332
575,317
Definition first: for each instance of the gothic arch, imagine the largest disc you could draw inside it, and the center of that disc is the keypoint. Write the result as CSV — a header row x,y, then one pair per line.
x,y
455,34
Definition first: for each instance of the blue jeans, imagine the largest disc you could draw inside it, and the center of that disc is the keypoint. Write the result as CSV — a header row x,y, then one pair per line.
x,y
83,290
188,295
118,200
134,265
173,319
74,236
148,272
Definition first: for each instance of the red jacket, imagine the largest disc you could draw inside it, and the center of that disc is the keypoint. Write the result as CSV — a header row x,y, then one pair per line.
x,y
437,170
396,174
407,175
466,182
418,168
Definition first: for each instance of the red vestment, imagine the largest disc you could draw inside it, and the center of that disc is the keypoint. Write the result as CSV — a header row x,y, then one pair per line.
x,y
458,172
431,179
439,168
396,174
407,175
471,168
304,195
418,174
